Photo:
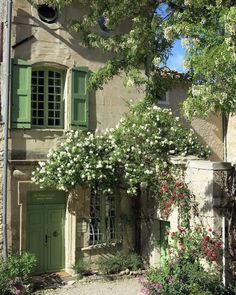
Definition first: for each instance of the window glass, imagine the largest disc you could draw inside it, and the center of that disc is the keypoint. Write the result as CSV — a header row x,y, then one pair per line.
x,y
103,218
47,90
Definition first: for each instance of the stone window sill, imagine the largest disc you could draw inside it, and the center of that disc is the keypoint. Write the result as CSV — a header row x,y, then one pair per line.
x,y
100,246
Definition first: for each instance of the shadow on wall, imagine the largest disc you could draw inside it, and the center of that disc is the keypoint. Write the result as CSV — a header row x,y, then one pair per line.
x,y
73,41
209,130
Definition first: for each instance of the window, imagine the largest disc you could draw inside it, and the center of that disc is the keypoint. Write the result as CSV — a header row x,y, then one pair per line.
x,y
47,14
38,101
164,99
104,221
46,101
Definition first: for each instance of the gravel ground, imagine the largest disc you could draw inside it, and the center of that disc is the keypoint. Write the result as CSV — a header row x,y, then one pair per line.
x,y
118,287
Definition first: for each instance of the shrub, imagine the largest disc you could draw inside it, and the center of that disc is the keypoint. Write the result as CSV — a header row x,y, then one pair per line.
x,y
17,266
82,268
183,277
4,279
121,261
21,265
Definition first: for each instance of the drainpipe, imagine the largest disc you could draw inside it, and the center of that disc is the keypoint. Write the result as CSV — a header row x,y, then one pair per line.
x,y
7,87
224,130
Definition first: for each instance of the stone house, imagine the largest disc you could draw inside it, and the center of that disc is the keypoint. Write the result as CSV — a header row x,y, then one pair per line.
x,y
49,96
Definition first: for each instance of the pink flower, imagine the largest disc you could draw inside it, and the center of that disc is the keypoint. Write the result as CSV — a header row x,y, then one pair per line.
x,y
157,287
145,291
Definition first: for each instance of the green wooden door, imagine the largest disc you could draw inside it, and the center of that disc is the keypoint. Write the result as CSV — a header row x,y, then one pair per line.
x,y
45,235
54,241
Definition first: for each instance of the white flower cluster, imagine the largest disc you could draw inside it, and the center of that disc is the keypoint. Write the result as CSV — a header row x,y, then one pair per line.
x,y
136,151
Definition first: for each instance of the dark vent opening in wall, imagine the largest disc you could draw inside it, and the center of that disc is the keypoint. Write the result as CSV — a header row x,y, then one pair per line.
x,y
47,14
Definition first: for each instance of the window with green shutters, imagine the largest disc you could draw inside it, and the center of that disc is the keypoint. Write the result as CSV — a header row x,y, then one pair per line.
x,y
79,98
47,98
21,94
37,97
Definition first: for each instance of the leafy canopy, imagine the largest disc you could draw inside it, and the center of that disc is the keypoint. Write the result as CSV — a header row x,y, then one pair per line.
x,y
207,28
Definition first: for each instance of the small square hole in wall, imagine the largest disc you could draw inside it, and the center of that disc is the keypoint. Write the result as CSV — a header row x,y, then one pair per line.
x,y
164,99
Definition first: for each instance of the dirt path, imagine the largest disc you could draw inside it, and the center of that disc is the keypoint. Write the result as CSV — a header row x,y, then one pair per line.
x,y
118,287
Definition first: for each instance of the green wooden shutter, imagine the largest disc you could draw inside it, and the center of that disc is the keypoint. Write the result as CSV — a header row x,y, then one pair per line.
x,y
79,98
164,226
21,94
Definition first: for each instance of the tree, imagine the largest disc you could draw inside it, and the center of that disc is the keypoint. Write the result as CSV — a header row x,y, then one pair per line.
x,y
207,28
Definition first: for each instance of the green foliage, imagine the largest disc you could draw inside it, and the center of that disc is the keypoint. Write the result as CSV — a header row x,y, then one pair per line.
x,y
183,271
206,27
183,277
82,268
18,266
120,261
21,265
4,278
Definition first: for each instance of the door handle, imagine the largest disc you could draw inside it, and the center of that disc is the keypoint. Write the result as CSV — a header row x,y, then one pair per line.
x,y
46,238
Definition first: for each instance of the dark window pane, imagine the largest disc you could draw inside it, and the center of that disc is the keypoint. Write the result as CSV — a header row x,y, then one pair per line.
x,y
58,98
34,105
34,113
58,82
51,97
51,122
40,114
34,121
50,81
51,105
41,105
57,122
34,80
58,90
40,122
58,106
50,74
34,96
40,89
57,114
41,73
51,114
58,75
34,73
51,89
34,89
41,81
40,97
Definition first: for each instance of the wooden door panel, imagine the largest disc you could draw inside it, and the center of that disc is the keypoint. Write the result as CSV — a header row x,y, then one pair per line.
x,y
35,233
55,230
45,236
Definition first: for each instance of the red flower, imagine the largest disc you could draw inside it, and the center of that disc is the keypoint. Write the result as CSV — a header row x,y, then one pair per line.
x,y
178,184
164,189
219,244
180,196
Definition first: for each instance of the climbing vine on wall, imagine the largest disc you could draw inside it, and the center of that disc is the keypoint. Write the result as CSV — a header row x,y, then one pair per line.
x,y
137,152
